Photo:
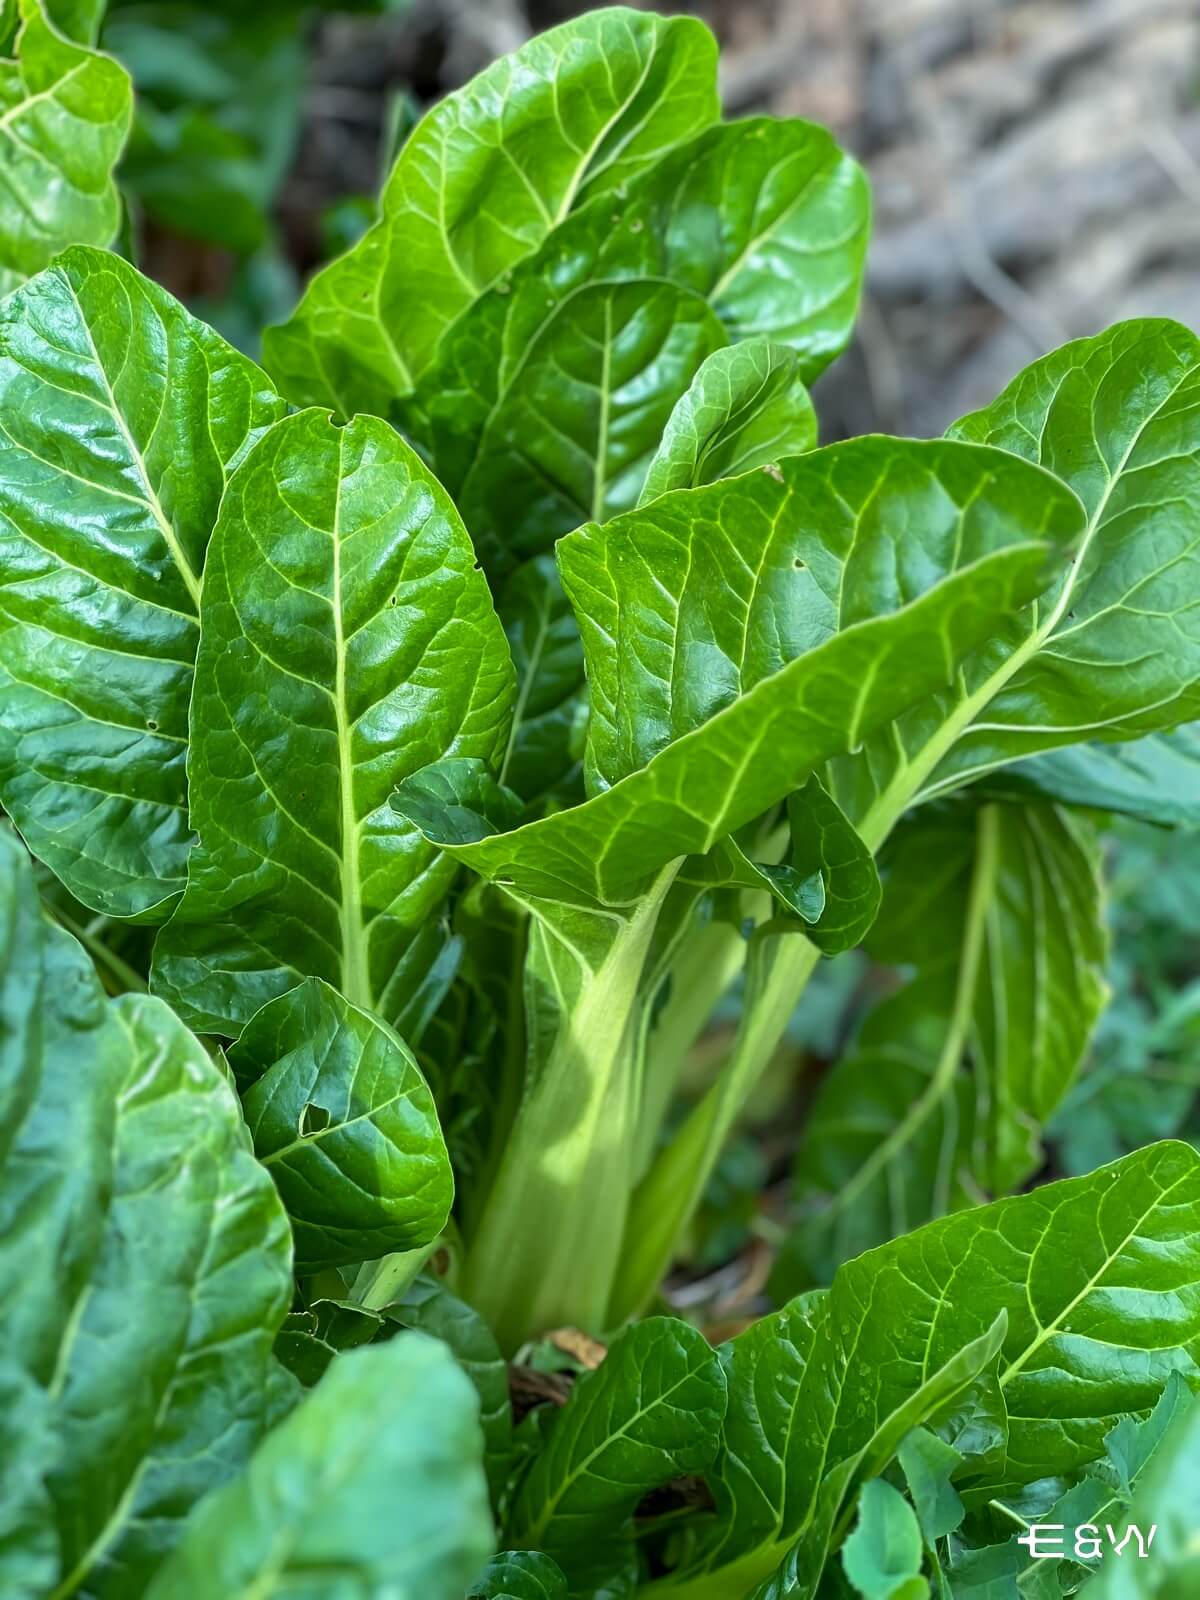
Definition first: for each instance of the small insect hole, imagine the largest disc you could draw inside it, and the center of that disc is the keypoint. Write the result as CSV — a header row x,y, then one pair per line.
x,y
152,725
799,564
313,1119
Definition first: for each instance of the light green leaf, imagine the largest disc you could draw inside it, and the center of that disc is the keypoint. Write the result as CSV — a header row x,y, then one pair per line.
x,y
428,1306
64,119
577,113
144,1260
650,1411
1155,779
372,1488
123,418
929,1464
766,220
1000,910
520,1575
345,1124
1166,1501
746,408
348,639
882,1556
575,424
1114,653
75,19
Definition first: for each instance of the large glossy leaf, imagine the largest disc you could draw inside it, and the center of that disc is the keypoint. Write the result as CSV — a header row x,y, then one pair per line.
x,y
64,119
577,421
541,761
144,1263
1155,779
747,407
348,639
941,1103
650,1411
345,1124
766,220
1115,652
577,113
372,1488
122,420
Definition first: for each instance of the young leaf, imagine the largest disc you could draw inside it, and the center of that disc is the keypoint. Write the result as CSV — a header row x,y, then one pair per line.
x,y
345,1124
64,118
577,113
882,1557
734,216
144,1258
999,907
929,1464
746,408
374,1481
348,639
123,419
520,1575
577,421
650,1411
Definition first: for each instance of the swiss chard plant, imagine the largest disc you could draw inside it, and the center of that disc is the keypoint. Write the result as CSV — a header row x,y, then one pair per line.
x,y
409,748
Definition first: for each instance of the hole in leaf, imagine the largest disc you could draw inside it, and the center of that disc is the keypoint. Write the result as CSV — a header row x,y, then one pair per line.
x,y
313,1119
799,564
152,725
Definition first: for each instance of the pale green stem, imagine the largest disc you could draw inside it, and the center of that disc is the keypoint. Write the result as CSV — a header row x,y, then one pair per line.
x,y
548,1244
667,1197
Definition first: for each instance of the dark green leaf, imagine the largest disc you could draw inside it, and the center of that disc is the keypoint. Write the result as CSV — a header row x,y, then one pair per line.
x,y
575,114
348,639
345,1124
520,1575
548,656
64,119
123,418
746,408
370,1489
650,1411
144,1263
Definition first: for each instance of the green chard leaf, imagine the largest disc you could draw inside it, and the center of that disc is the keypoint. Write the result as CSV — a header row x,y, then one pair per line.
x,y
1153,779
144,1266
541,763
123,419
64,118
1086,1290
577,113
730,217
1114,652
348,640
650,1411
746,408
520,1575
371,1488
345,1123
941,1102
882,1557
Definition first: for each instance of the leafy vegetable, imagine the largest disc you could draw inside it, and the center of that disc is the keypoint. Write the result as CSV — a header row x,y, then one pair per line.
x,y
64,119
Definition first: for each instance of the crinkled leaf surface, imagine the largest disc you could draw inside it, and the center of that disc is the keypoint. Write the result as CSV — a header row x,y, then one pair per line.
x,y
572,431
348,639
724,667
577,113
122,419
64,118
767,220
1114,652
651,1410
372,1488
144,1260
999,908
747,407
345,1123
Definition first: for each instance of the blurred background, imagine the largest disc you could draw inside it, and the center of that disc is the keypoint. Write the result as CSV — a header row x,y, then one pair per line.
x,y
1036,172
